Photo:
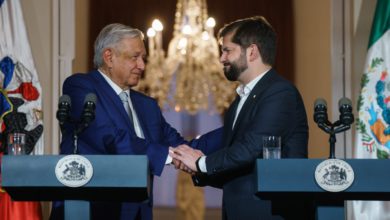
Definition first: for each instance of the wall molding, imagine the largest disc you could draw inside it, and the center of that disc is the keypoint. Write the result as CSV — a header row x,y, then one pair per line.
x,y
63,46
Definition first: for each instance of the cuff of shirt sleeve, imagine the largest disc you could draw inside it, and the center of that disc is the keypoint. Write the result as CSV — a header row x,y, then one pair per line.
x,y
168,160
201,163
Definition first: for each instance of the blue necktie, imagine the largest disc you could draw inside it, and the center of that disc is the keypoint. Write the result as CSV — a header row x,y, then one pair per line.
x,y
125,100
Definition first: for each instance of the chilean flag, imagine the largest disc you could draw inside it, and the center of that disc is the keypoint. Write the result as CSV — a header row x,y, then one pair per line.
x,y
20,100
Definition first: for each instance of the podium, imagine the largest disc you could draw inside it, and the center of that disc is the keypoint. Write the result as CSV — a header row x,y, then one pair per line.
x,y
121,178
294,178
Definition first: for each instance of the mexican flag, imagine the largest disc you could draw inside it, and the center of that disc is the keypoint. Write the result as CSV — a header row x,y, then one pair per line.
x,y
373,124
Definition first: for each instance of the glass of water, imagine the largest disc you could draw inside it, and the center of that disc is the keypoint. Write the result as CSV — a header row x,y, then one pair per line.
x,y
16,144
272,147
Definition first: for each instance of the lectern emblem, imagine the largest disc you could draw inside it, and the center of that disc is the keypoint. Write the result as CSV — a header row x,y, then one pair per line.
x,y
74,170
334,175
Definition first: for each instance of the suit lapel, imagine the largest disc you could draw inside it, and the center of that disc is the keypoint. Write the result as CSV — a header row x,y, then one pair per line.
x,y
110,99
255,95
229,119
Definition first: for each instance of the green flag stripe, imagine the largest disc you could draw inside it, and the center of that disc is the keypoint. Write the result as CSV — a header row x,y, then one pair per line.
x,y
381,21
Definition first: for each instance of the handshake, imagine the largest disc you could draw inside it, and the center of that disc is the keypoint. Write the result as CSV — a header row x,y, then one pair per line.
x,y
185,158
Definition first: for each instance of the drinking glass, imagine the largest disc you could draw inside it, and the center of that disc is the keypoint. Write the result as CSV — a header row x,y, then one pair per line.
x,y
271,147
16,144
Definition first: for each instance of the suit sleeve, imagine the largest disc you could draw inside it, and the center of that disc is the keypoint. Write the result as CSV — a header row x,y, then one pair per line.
x,y
160,135
158,149
209,142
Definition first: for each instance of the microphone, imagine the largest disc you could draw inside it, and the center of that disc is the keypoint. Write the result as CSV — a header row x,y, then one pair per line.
x,y
345,108
343,124
320,111
88,114
63,112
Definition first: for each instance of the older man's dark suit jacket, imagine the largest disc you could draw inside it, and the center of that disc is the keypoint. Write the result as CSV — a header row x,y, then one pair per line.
x,y
274,107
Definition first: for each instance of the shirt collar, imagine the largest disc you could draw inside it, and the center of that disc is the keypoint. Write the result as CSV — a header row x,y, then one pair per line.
x,y
114,86
244,90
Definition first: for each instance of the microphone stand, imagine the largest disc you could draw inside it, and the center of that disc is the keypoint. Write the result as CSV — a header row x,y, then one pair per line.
x,y
332,129
75,144
82,126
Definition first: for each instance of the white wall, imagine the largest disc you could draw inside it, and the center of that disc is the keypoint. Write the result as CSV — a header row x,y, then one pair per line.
x,y
37,15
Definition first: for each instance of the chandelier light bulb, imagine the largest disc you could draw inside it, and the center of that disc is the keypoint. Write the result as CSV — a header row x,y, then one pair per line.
x,y
157,25
187,30
151,32
205,35
182,43
210,22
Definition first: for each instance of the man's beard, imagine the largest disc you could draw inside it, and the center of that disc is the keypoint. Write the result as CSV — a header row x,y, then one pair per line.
x,y
236,68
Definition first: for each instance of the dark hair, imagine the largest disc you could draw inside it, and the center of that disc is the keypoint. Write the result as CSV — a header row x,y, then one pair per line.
x,y
253,30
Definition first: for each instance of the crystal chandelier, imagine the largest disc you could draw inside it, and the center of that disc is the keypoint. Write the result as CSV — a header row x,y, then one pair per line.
x,y
191,71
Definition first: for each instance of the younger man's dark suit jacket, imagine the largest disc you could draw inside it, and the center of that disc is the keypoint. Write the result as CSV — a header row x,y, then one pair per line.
x,y
273,107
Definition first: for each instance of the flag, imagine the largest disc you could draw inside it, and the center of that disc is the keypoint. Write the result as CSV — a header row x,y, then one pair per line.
x,y
20,100
373,124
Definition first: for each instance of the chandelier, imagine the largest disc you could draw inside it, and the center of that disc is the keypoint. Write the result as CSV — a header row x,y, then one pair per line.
x,y
190,77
